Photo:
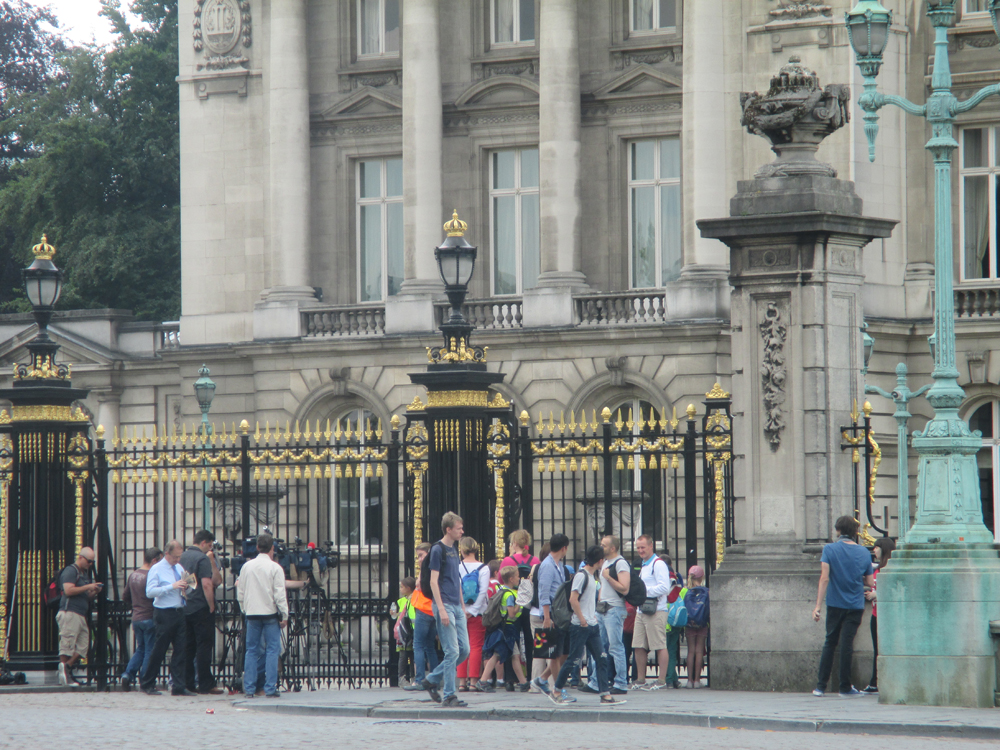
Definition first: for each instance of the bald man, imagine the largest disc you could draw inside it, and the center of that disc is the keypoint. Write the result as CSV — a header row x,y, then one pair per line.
x,y
78,590
164,584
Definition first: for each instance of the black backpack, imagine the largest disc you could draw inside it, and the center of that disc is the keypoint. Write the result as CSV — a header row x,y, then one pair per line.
x,y
425,572
636,593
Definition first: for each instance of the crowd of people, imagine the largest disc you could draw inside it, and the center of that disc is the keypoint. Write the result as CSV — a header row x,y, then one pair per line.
x,y
538,624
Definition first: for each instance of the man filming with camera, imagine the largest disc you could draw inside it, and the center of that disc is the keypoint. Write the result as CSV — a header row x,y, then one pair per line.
x,y
260,591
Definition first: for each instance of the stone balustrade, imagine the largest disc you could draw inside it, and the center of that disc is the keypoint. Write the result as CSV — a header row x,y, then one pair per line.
x,y
977,302
486,315
640,307
344,320
168,335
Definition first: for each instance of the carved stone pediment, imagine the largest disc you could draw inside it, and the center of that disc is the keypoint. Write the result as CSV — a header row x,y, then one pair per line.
x,y
500,91
640,80
367,102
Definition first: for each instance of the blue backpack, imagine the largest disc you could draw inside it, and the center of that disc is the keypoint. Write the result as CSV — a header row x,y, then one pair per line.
x,y
677,613
697,606
470,585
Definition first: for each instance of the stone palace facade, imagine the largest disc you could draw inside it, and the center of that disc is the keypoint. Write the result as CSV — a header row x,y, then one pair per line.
x,y
324,143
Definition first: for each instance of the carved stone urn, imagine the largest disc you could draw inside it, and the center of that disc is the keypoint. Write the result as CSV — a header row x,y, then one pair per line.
x,y
796,115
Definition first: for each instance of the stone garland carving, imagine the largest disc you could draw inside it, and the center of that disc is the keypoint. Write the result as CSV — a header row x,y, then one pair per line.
x,y
772,373
805,9
219,27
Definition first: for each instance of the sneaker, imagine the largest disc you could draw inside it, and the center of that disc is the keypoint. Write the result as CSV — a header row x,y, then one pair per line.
x,y
654,686
416,687
619,691
452,701
556,697
852,693
588,689
542,685
509,687
870,690
523,687
431,688
484,687
404,683
126,683
566,697
637,686
819,693
151,691
610,700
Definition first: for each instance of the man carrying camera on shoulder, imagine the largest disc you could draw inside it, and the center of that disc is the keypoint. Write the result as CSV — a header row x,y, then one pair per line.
x,y
260,591
199,613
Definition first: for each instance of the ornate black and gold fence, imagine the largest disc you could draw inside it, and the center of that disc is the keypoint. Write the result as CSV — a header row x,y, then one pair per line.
x,y
866,455
328,493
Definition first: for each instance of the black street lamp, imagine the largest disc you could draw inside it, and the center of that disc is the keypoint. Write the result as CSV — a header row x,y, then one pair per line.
x,y
456,259
43,284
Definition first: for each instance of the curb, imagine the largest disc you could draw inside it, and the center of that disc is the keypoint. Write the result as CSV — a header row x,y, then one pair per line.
x,y
612,716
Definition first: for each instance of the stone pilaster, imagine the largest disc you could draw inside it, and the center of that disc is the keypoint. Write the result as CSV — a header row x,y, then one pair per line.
x,y
423,210
559,146
287,79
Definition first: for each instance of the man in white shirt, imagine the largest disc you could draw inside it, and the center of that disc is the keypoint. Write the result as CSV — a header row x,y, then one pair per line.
x,y
260,591
616,574
164,584
651,627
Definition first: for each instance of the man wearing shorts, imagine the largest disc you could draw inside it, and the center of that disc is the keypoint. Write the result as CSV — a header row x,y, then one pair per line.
x,y
78,589
650,632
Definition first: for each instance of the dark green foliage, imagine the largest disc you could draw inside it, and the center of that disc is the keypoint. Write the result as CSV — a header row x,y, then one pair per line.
x,y
102,174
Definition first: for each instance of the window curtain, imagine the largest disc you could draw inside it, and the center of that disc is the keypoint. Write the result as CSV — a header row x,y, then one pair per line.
x,y
503,21
642,15
977,227
504,247
369,26
643,238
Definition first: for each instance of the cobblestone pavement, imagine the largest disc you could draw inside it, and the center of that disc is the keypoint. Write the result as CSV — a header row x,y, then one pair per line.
x,y
126,721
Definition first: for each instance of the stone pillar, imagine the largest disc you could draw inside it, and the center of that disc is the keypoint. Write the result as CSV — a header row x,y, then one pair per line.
x,y
108,410
559,167
709,164
287,76
795,236
423,210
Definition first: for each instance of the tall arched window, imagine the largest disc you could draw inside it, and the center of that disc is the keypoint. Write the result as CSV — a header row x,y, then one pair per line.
x,y
986,419
356,513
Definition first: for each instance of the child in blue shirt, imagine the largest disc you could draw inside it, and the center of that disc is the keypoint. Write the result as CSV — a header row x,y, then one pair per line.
x,y
501,643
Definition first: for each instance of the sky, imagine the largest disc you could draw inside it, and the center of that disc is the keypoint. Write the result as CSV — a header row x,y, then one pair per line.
x,y
79,20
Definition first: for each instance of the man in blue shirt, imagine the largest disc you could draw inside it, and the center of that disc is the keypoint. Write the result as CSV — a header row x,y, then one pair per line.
x,y
164,584
552,575
449,612
846,570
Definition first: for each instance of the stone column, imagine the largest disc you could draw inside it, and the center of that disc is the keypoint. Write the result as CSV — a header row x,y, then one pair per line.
x,y
423,210
795,237
559,167
712,29
108,410
287,76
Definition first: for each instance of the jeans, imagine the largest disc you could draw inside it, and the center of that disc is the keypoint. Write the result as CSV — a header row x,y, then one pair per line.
x,y
145,636
588,638
874,680
454,639
270,630
200,637
611,625
170,630
424,651
841,626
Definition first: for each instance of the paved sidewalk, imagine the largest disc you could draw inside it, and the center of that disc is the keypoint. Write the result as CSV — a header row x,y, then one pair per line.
x,y
789,712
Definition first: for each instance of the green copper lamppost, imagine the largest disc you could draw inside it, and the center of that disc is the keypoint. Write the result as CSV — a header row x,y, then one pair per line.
x,y
932,652
204,391
948,504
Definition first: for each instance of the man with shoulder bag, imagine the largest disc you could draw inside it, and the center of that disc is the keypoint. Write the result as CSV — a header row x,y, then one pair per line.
x,y
651,620
78,589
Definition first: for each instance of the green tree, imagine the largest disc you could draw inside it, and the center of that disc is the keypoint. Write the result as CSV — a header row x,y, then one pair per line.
x,y
102,176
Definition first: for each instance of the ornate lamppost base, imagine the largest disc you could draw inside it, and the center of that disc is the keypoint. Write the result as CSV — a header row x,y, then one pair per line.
x,y
935,604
